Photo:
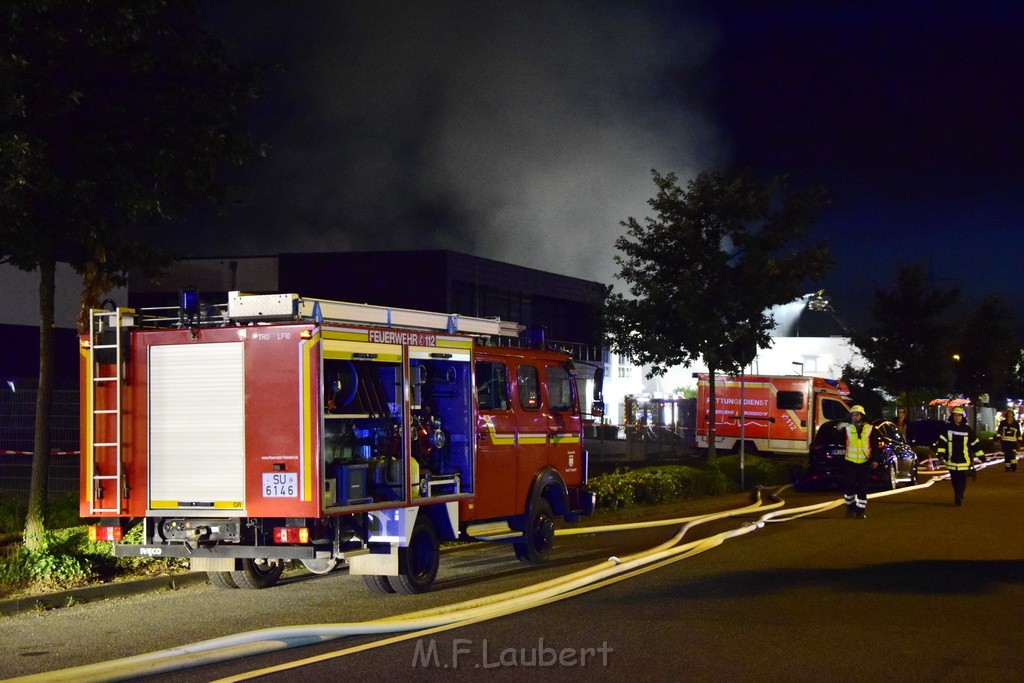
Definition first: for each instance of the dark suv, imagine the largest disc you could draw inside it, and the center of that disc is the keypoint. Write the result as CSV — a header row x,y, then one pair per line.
x,y
828,449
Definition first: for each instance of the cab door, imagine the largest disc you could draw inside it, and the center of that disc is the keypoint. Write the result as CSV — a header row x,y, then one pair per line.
x,y
496,441
534,422
564,422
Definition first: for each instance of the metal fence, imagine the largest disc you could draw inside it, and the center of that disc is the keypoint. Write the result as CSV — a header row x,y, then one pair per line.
x,y
17,436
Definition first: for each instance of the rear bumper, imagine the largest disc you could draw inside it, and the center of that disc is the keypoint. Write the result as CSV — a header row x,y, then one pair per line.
x,y
277,552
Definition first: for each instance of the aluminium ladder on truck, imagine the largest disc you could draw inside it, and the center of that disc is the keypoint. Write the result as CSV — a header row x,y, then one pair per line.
x,y
251,307
106,368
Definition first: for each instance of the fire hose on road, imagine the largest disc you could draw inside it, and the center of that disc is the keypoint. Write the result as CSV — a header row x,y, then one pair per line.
x,y
421,623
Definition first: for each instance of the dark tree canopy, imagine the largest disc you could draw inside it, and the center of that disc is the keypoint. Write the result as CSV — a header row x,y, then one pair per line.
x,y
910,343
705,269
988,350
111,115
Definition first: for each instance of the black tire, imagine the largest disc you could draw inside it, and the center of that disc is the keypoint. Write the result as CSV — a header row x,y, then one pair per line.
x,y
417,563
378,584
913,473
221,580
538,533
890,477
257,574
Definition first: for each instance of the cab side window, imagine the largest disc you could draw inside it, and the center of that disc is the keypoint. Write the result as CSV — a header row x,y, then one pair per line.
x,y
560,393
529,387
492,385
834,410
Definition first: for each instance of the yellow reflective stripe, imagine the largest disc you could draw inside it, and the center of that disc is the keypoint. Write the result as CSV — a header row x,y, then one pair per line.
x,y
454,342
87,451
498,439
218,504
305,415
533,439
347,335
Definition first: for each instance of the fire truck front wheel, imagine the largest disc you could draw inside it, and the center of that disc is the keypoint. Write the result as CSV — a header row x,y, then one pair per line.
x,y
417,563
538,533
259,573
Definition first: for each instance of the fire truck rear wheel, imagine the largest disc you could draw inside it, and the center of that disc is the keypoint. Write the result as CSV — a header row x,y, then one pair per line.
x,y
538,533
378,584
221,580
417,564
256,574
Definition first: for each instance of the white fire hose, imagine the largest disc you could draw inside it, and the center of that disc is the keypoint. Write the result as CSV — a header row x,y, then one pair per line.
x,y
421,623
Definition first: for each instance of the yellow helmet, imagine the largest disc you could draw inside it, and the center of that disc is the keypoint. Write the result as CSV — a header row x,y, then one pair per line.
x,y
857,409
957,411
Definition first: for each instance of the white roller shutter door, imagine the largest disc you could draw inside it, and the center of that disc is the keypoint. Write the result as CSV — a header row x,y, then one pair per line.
x,y
197,425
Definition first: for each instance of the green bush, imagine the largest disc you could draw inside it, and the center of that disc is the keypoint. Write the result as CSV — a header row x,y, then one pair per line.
x,y
68,559
628,488
759,471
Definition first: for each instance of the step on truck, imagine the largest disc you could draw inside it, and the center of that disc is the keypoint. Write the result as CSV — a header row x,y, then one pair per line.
x,y
769,413
276,428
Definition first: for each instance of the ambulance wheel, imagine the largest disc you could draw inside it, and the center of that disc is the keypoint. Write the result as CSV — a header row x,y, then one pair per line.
x,y
417,563
221,580
256,574
378,584
538,533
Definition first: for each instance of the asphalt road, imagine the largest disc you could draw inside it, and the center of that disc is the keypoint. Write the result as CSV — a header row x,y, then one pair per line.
x,y
919,591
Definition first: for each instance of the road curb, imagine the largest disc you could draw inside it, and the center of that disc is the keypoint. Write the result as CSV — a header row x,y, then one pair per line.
x,y
48,601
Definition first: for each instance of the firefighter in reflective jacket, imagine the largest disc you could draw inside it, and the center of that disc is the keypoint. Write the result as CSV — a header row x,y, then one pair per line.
x,y
958,445
1008,433
861,458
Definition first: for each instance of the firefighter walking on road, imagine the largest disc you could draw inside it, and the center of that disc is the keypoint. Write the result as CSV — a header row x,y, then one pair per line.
x,y
1009,435
958,445
861,458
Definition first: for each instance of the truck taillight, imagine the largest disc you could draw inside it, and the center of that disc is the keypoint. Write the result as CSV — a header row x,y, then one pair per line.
x,y
105,533
291,534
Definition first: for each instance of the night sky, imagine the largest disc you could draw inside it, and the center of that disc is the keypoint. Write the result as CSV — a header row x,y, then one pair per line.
x,y
525,132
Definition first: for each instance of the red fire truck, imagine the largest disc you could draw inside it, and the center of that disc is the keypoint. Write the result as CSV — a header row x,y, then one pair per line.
x,y
778,414
277,428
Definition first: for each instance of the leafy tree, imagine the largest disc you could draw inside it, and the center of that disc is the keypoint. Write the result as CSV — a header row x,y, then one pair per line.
x,y
989,348
909,343
112,115
703,272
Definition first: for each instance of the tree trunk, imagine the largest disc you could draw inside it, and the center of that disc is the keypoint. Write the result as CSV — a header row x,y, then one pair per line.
x,y
34,525
712,418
